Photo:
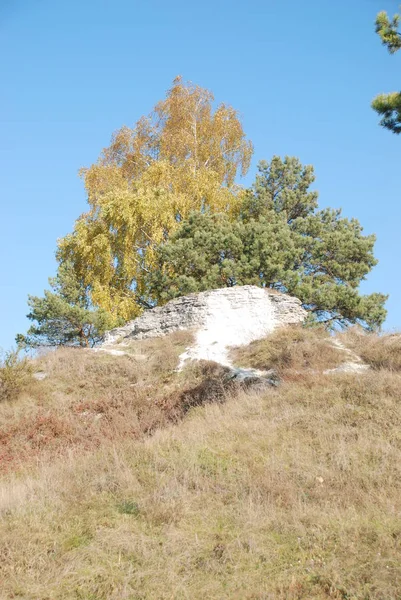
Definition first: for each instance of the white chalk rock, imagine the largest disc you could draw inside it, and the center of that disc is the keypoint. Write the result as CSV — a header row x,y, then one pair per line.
x,y
220,318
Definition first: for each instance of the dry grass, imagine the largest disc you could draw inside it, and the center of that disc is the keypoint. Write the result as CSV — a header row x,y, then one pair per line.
x,y
290,349
378,351
89,399
292,493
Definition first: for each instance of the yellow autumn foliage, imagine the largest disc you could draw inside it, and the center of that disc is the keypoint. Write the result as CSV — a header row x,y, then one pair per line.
x,y
183,157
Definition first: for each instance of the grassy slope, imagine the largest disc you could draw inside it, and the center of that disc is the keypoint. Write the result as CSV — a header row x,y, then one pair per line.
x,y
113,487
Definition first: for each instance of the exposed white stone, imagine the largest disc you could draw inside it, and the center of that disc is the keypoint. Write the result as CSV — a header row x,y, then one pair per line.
x,y
354,365
111,351
220,318
40,375
349,367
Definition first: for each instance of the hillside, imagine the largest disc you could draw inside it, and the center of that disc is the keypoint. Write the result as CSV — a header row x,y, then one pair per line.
x,y
122,478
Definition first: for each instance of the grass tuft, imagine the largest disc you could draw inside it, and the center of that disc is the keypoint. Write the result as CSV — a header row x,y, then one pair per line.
x,y
379,351
290,349
128,507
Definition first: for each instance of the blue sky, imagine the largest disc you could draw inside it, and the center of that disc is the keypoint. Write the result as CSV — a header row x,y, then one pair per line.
x,y
302,75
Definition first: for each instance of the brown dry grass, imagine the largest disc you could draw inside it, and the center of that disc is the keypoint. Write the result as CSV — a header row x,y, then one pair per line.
x,y
378,351
88,399
290,349
291,493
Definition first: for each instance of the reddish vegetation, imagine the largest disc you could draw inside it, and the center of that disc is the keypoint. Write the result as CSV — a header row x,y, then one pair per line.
x,y
92,399
88,400
288,492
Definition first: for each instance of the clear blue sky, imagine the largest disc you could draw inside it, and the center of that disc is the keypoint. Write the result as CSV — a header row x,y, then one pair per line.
x,y
302,74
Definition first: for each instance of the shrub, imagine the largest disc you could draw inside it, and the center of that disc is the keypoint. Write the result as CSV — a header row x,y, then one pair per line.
x,y
15,374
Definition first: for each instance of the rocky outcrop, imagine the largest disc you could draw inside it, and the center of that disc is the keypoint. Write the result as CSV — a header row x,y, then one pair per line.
x,y
220,319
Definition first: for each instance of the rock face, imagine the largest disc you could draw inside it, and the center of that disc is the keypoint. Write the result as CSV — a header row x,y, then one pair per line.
x,y
220,319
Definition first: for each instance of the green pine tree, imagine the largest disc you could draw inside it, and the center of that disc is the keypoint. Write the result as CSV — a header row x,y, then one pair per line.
x,y
280,240
62,317
388,106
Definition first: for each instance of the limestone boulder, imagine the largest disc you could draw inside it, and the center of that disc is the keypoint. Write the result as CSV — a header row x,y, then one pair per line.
x,y
220,319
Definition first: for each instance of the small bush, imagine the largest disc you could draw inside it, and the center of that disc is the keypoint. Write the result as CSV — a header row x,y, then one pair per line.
x,y
378,351
15,374
290,348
